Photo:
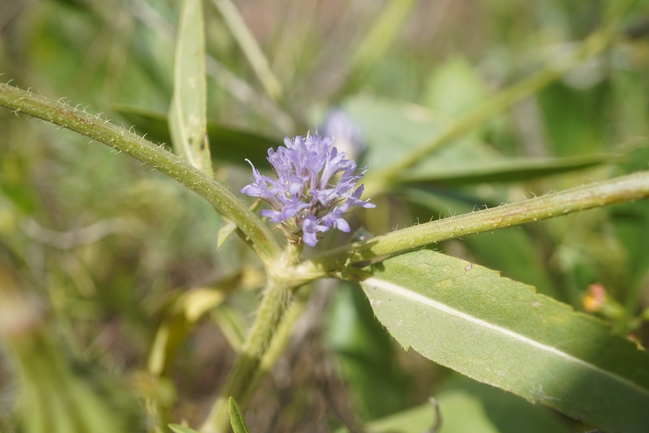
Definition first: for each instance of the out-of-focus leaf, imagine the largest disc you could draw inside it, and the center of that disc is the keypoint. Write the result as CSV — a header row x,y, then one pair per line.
x,y
415,420
232,324
181,317
236,418
224,233
226,144
380,36
55,394
501,332
468,406
392,128
506,412
177,428
509,170
454,88
366,355
573,119
187,115
631,222
250,48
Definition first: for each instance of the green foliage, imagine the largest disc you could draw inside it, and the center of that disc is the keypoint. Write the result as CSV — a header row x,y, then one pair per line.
x,y
177,428
140,287
500,332
236,418
187,117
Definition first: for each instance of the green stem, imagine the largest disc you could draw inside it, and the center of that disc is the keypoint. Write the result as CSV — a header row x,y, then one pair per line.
x,y
282,335
254,355
621,189
273,306
379,181
101,130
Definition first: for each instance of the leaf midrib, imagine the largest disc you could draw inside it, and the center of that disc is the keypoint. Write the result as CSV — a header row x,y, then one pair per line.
x,y
376,283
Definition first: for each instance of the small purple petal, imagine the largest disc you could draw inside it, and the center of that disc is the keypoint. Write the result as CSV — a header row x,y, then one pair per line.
x,y
307,198
310,228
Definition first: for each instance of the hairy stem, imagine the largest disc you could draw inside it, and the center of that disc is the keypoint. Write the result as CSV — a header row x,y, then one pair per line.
x,y
379,181
253,358
101,130
621,189
273,306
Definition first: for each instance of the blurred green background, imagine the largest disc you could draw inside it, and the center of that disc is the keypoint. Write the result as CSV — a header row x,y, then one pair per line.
x,y
145,310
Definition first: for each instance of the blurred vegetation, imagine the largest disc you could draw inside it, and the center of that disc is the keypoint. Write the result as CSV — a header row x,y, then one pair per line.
x,y
132,301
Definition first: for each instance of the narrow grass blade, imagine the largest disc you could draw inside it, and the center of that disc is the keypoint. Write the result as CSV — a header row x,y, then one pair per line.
x,y
380,36
510,170
250,48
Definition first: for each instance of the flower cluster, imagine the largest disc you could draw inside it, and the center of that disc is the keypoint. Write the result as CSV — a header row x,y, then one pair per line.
x,y
307,198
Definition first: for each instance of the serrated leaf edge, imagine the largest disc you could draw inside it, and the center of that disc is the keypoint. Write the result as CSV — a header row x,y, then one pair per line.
x,y
377,283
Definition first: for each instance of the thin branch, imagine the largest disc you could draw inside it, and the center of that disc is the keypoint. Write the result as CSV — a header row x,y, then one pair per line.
x,y
626,188
98,129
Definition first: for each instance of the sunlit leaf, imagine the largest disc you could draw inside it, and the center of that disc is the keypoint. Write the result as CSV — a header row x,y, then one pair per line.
x,y
454,88
236,418
501,332
187,115
517,255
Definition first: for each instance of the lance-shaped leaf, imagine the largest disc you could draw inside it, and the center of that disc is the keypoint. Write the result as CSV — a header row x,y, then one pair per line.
x,y
509,170
187,115
501,332
234,145
236,418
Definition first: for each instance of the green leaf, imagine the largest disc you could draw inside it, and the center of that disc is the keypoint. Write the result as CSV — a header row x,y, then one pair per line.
x,y
236,418
224,234
393,128
493,408
244,37
381,35
366,354
414,420
468,406
574,122
518,257
454,88
500,332
509,170
177,428
187,115
226,143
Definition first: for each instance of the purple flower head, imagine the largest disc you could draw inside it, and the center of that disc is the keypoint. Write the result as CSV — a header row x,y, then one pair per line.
x,y
308,197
